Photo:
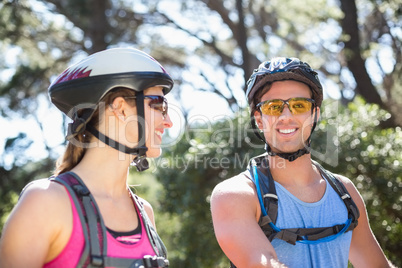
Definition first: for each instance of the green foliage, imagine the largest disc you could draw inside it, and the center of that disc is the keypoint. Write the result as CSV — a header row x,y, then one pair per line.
x,y
45,36
371,157
33,48
14,179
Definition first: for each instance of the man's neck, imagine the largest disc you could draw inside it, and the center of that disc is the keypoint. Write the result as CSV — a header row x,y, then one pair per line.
x,y
298,172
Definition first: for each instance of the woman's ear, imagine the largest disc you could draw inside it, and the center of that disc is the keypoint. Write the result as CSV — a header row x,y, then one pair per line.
x,y
118,108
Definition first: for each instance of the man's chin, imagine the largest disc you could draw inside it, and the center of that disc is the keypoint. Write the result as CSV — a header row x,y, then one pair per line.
x,y
287,149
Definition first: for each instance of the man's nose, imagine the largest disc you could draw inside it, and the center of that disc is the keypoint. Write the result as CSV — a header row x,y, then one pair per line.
x,y
286,113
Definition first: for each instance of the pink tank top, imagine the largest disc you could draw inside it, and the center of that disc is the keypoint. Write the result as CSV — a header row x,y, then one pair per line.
x,y
71,253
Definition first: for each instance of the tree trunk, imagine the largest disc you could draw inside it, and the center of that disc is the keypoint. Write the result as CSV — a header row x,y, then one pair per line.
x,y
355,61
98,25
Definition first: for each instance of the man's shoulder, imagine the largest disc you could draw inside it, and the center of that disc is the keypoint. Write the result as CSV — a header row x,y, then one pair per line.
x,y
344,180
237,195
349,185
236,185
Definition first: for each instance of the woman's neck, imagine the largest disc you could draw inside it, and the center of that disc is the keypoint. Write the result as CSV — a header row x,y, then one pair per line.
x,y
104,171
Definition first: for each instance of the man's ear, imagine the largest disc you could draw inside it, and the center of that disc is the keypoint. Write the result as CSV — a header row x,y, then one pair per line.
x,y
118,108
258,120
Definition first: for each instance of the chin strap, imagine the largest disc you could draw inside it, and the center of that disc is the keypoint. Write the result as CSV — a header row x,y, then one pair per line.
x,y
114,144
141,161
289,156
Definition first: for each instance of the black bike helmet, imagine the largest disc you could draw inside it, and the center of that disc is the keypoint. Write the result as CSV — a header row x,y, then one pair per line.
x,y
280,69
81,87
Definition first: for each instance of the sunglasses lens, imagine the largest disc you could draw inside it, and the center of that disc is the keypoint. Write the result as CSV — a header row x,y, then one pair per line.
x,y
159,103
299,106
296,106
274,107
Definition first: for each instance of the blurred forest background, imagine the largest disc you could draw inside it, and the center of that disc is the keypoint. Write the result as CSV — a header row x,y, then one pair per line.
x,y
212,47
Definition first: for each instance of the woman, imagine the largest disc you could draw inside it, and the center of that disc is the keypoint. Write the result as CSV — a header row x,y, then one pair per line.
x,y
86,214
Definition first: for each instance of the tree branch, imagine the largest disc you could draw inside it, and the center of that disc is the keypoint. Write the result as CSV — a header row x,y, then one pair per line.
x,y
354,59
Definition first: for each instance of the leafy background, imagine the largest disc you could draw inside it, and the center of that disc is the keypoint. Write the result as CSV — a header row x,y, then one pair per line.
x,y
210,48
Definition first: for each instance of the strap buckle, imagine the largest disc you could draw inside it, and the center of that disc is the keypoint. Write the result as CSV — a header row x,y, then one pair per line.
x,y
155,262
97,261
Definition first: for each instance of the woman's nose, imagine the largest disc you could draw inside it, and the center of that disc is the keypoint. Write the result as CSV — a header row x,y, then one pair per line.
x,y
167,123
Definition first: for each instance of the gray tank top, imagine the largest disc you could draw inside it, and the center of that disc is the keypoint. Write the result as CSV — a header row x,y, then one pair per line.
x,y
294,213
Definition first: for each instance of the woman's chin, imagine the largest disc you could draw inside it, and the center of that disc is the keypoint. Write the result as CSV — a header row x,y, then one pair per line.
x,y
154,152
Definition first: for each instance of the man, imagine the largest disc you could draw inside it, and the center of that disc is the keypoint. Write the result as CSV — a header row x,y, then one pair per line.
x,y
312,218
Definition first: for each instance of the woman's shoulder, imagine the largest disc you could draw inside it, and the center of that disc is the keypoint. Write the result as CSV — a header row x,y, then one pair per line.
x,y
43,190
41,216
45,200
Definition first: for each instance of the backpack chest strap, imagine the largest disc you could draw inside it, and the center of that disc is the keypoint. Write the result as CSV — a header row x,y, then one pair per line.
x,y
147,262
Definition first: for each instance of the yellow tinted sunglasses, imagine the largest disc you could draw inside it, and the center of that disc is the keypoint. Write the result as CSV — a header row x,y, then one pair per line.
x,y
296,106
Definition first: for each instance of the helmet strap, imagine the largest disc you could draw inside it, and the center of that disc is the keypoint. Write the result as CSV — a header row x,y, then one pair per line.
x,y
256,129
141,163
114,144
140,160
289,156
79,123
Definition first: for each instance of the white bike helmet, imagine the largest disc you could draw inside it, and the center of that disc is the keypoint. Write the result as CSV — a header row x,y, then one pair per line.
x,y
81,87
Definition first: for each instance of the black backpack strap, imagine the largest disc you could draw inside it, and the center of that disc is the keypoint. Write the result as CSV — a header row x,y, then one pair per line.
x,y
258,170
293,235
92,223
266,191
154,238
270,198
337,185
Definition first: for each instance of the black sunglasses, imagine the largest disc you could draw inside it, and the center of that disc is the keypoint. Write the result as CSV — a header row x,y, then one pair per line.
x,y
157,102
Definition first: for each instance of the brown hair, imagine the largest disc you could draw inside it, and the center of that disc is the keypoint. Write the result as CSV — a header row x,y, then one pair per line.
x,y
257,97
73,153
